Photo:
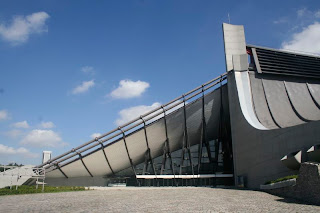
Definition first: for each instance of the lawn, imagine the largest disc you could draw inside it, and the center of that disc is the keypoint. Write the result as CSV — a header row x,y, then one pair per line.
x,y
32,189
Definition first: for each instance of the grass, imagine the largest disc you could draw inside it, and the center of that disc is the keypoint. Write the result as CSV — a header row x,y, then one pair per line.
x,y
282,179
32,189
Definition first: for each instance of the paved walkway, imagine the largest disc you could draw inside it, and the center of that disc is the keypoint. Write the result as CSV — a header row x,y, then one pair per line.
x,y
183,199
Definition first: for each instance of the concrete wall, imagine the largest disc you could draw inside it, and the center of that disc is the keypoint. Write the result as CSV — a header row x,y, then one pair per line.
x,y
307,185
78,181
257,153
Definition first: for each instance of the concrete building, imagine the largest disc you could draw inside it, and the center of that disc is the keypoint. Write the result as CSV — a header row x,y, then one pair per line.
x,y
234,129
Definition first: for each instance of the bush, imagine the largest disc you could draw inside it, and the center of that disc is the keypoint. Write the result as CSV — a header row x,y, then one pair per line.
x,y
282,179
32,189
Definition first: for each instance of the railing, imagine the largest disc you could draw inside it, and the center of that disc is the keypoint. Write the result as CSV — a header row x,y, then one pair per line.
x,y
151,115
6,168
17,173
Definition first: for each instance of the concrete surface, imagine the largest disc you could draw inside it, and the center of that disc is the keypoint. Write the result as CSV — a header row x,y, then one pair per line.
x,y
130,199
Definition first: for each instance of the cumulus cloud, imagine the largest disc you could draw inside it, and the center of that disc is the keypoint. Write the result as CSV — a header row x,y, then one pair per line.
x,y
42,138
134,112
129,89
6,150
87,69
21,27
4,115
307,40
47,125
21,124
94,135
85,86
131,113
14,133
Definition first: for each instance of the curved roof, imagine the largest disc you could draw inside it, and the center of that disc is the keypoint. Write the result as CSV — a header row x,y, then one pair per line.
x,y
285,87
115,156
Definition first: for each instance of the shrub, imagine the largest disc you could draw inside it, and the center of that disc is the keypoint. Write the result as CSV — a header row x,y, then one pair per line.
x,y
282,179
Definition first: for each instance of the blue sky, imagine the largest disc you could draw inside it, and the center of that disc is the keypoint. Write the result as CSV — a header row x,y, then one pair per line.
x,y
70,69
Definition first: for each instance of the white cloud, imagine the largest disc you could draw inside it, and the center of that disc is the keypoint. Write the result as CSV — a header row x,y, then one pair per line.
x,y
21,124
85,86
42,138
4,115
94,135
87,69
302,12
47,125
6,150
21,27
134,112
13,133
131,113
307,40
129,89
309,14
281,21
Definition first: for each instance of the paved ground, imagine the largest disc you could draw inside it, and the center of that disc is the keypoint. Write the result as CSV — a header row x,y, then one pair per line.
x,y
183,199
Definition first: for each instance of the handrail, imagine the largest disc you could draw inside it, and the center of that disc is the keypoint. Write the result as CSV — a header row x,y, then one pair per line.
x,y
133,123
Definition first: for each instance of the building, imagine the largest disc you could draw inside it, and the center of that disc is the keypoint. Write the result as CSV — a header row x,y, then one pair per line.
x,y
234,129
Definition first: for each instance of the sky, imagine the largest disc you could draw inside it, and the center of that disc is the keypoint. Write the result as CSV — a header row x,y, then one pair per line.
x,y
72,70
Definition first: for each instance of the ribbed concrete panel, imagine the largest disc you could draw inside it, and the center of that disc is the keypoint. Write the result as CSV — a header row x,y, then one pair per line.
x,y
315,92
175,129
97,164
225,104
75,169
54,174
194,122
302,101
279,104
156,137
117,156
260,104
137,146
136,141
212,113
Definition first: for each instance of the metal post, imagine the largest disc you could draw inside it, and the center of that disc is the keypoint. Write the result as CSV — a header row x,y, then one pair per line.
x,y
44,177
187,144
147,142
164,159
220,138
37,182
105,156
146,162
58,166
200,151
167,142
182,156
202,131
80,157
130,160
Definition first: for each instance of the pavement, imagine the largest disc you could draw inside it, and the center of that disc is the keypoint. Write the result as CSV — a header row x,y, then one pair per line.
x,y
154,199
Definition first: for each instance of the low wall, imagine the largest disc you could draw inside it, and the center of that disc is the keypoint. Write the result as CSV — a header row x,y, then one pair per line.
x,y
307,187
